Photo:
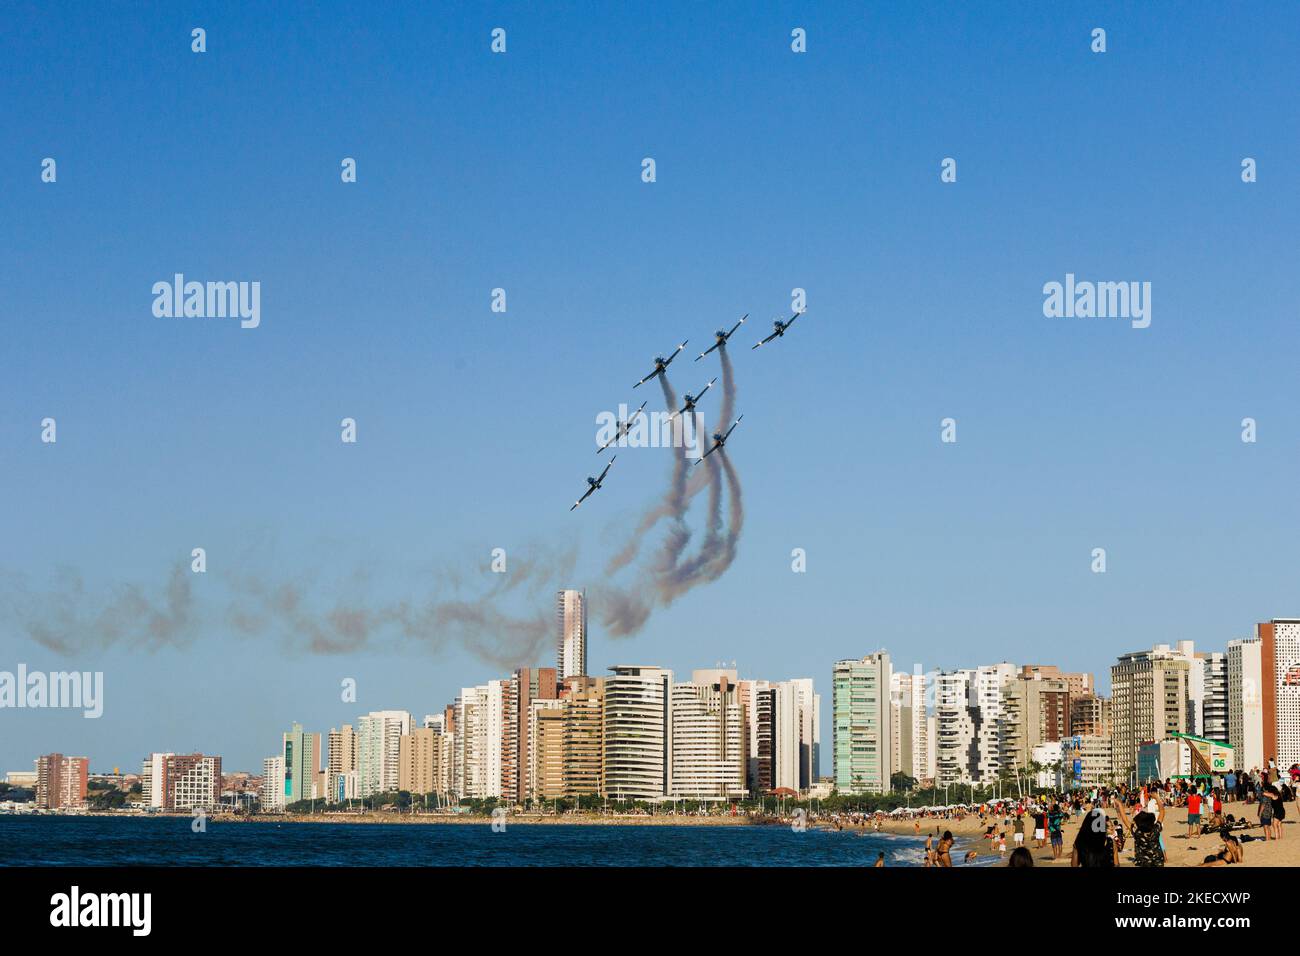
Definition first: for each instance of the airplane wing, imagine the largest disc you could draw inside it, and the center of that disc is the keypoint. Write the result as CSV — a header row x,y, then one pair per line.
x,y
792,318
647,378
766,340
708,350
676,352
714,447
737,325
732,428
705,389
589,490
606,471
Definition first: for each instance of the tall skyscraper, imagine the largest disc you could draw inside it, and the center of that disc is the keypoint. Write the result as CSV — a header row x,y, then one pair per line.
x,y
61,781
420,756
341,764
708,738
1280,686
909,736
153,777
571,649
1036,710
758,702
379,736
1245,704
1214,696
1149,701
545,770
527,685
302,776
956,723
272,793
637,761
584,734
861,734
990,680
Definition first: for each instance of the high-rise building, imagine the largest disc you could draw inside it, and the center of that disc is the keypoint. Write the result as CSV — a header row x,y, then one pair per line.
x,y
152,778
302,774
1214,696
1090,716
1149,701
758,703
861,732
191,782
272,793
988,684
527,685
584,731
486,752
956,719
341,764
571,649
707,734
1245,704
1280,685
379,736
1036,709
61,781
909,737
420,756
545,771
637,761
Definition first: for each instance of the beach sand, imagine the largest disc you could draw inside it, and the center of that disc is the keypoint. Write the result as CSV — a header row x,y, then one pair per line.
x,y
1179,851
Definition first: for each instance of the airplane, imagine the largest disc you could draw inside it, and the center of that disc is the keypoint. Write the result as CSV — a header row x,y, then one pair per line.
x,y
622,430
661,364
691,400
779,329
719,440
593,484
722,337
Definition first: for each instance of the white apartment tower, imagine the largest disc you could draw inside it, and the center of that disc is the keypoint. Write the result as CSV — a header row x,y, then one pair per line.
x,y
637,755
571,648
1245,704
708,738
379,735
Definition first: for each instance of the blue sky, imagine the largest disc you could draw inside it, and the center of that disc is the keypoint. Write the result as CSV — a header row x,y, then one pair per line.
x,y
775,170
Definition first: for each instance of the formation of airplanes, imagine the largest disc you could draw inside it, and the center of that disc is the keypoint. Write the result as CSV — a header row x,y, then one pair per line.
x,y
721,337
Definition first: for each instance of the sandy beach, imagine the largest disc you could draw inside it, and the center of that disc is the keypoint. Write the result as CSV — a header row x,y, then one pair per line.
x,y
1179,851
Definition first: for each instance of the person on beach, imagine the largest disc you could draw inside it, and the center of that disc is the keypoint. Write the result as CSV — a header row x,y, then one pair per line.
x,y
1193,813
1228,854
1018,837
880,860
1146,828
1266,813
1040,827
929,851
1093,846
1020,857
943,853
1055,823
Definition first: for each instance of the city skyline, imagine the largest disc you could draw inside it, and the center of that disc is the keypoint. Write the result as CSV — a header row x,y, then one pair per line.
x,y
1207,707
821,171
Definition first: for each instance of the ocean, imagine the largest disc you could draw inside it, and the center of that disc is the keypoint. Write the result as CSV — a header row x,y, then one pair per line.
x,y
170,841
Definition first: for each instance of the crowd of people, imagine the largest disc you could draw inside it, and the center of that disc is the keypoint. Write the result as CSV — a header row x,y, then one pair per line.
x,y
1111,816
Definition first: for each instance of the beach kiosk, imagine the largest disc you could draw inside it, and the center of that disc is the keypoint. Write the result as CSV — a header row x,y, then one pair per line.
x,y
1184,756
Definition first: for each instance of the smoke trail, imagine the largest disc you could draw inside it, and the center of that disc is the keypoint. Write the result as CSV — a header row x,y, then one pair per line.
x,y
61,618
